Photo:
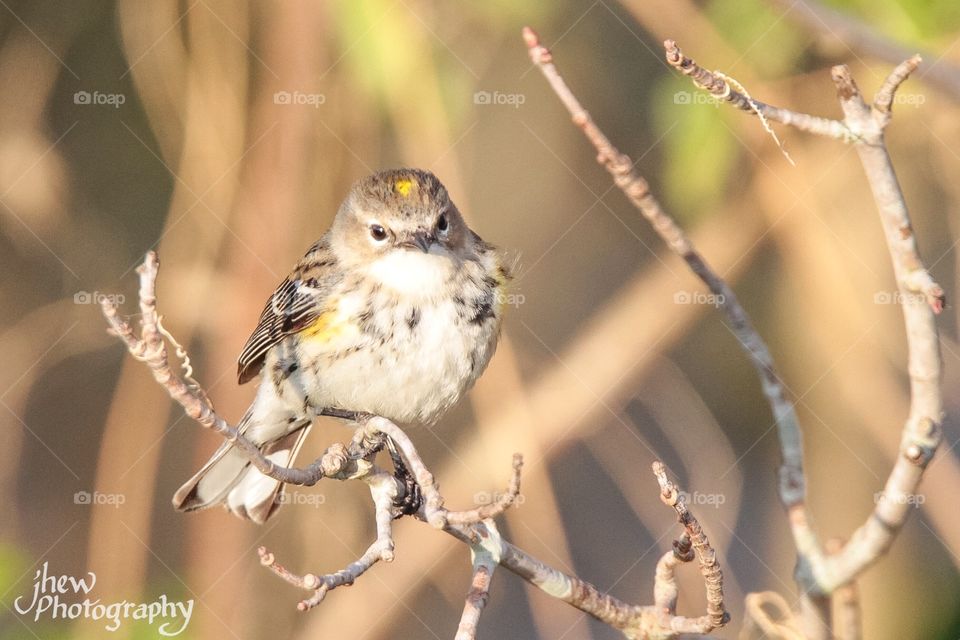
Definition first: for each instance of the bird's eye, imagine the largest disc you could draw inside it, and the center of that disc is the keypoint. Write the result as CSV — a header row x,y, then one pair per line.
x,y
378,233
442,223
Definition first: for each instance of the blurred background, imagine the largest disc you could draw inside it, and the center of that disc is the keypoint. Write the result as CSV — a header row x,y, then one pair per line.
x,y
225,133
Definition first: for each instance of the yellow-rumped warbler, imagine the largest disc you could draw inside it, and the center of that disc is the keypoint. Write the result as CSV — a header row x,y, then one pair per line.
x,y
395,311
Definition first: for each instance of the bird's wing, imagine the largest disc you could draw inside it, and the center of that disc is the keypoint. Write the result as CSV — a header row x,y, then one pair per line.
x,y
297,303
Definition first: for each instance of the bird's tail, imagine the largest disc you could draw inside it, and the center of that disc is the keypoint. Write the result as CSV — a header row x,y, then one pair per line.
x,y
228,478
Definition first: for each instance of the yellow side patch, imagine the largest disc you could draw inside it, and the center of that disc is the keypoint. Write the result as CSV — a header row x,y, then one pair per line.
x,y
403,186
325,328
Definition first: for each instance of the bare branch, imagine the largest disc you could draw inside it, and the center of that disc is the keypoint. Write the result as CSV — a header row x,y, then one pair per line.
x,y
485,555
433,510
792,483
150,349
817,575
845,602
719,88
635,621
820,575
694,536
768,616
472,527
498,505
884,97
384,488
922,432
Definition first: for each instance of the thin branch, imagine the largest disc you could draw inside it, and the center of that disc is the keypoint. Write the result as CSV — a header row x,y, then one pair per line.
x,y
694,537
792,486
635,621
150,349
884,98
792,483
922,432
384,488
818,574
485,555
768,616
666,593
388,491
845,602
433,510
717,85
498,505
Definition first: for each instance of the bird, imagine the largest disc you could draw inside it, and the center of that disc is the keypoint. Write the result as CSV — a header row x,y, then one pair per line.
x,y
395,311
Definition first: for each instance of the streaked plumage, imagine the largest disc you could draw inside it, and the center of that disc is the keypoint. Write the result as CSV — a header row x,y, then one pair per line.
x,y
398,326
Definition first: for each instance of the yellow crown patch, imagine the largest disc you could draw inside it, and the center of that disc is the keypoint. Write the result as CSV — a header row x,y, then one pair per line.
x,y
403,186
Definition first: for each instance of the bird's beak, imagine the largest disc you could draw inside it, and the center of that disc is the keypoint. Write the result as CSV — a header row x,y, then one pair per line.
x,y
418,240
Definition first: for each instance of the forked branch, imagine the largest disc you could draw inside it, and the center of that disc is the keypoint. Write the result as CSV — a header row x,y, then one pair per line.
x,y
818,573
474,527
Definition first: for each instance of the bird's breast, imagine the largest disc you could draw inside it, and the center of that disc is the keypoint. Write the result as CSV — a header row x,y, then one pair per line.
x,y
403,357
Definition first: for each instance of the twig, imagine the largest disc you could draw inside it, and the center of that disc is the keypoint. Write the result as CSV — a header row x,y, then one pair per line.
x,y
150,349
384,488
716,84
620,167
635,621
922,431
472,527
845,602
500,503
485,555
885,95
768,614
846,607
818,574
433,510
695,538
